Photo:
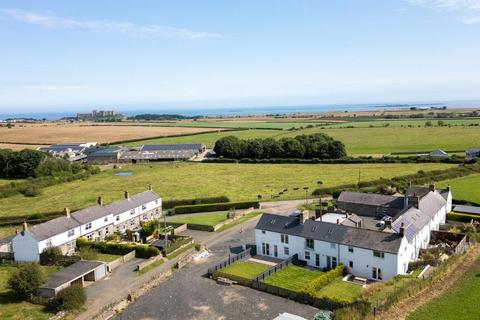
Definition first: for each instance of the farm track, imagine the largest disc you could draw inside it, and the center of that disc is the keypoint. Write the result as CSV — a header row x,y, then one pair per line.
x,y
400,311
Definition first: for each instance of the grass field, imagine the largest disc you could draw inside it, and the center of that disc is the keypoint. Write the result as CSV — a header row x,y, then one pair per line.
x,y
292,277
359,141
73,133
185,180
459,302
245,124
6,231
209,219
12,309
466,188
246,269
341,290
404,122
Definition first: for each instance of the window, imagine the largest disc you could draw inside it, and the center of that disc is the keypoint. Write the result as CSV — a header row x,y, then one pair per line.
x,y
350,264
105,219
71,233
309,243
156,201
144,207
307,255
88,226
132,212
333,245
284,238
350,249
378,254
317,260
263,248
90,237
145,217
275,251
48,244
117,218
132,222
286,251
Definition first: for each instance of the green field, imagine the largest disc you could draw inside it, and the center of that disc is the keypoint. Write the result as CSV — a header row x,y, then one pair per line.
x,y
246,269
405,122
209,219
292,278
186,180
11,308
459,302
359,141
241,124
341,290
466,188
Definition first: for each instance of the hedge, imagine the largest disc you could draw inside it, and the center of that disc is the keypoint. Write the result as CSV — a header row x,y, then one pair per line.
x,y
319,282
33,218
200,227
169,204
216,207
462,217
141,251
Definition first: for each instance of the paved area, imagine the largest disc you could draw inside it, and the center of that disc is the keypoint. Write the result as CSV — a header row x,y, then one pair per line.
x,y
190,295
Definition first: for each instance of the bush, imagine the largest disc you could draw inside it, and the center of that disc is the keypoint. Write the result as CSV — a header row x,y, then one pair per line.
x,y
141,251
216,207
319,282
26,281
462,217
50,256
71,298
88,253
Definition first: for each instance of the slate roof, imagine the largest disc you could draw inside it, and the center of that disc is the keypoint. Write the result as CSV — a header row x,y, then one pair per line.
x,y
372,199
158,154
467,209
63,148
70,273
328,232
62,224
421,191
172,147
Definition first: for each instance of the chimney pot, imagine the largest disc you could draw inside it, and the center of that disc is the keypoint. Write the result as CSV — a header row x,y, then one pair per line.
x,y
338,221
127,196
67,211
402,229
100,201
24,226
16,231
432,187
150,187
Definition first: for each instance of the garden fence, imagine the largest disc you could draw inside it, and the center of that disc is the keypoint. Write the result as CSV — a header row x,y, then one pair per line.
x,y
242,255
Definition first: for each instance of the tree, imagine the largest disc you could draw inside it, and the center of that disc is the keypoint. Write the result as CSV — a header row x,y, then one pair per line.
x,y
229,147
26,281
71,298
255,149
272,148
292,148
428,124
440,123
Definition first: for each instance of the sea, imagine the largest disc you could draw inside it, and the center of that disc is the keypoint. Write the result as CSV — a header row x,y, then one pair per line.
x,y
248,110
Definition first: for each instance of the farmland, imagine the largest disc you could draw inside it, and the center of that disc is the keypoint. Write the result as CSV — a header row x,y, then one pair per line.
x,y
189,180
459,302
359,141
465,188
60,132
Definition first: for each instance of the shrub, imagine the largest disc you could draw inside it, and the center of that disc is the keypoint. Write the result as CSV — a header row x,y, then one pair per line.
x,y
71,298
88,253
26,281
322,280
141,251
462,217
216,207
50,256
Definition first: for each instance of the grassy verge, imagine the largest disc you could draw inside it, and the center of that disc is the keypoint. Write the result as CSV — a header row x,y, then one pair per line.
x,y
293,278
150,267
246,217
13,309
246,269
459,302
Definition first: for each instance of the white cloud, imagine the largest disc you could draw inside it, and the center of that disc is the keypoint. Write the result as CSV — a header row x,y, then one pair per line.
x,y
469,10
105,26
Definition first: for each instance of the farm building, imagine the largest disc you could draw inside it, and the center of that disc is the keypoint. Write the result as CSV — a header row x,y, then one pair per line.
x,y
472,153
147,153
365,249
93,223
467,209
70,151
439,154
76,274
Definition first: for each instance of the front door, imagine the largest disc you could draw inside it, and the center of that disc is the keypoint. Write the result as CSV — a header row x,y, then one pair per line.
x,y
275,251
317,260
329,262
267,249
377,273
334,262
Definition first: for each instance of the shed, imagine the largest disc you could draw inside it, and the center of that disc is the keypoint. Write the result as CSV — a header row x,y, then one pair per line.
x,y
467,209
78,273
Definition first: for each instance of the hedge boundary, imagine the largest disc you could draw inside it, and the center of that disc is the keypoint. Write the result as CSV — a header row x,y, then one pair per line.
x,y
169,204
211,207
462,217
141,251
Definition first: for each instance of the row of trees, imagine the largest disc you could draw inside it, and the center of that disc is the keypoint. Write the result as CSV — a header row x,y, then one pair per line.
x,y
317,145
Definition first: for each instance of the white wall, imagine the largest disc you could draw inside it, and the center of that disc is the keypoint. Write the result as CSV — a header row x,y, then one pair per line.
x,y
25,248
125,216
59,239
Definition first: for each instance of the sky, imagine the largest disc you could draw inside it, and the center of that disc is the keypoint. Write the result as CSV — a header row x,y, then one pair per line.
x,y
153,54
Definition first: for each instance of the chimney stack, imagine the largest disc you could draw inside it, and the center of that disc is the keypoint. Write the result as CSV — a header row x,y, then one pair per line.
x,y
388,223
24,226
449,188
338,221
304,216
150,187
127,196
100,201
66,210
402,229
432,187
16,231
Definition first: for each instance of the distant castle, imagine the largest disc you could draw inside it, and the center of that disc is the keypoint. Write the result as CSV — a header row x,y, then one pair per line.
x,y
96,114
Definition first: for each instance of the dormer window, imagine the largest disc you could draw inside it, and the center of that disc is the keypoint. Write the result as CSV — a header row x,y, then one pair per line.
x,y
88,226
144,207
132,212
71,233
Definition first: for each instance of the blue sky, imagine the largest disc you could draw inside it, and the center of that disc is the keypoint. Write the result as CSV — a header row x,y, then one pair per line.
x,y
66,55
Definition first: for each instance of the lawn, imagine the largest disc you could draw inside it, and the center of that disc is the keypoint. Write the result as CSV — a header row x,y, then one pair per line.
x,y
246,269
105,257
466,188
292,277
341,290
186,180
10,308
459,302
209,219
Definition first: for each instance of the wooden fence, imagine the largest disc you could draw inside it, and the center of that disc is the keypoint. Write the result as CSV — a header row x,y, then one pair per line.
x,y
285,263
242,255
